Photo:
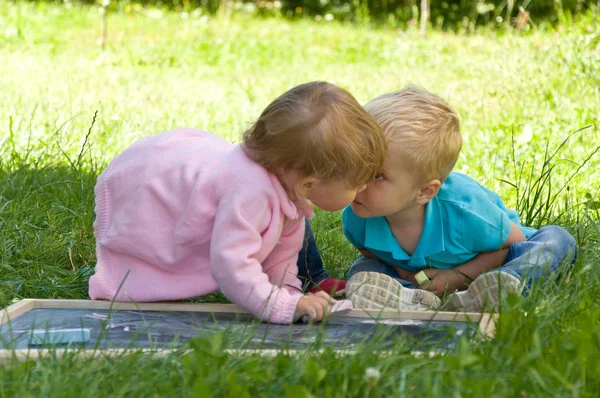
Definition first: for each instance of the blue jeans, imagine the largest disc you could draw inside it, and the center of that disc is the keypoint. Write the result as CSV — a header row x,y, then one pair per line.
x,y
310,263
539,256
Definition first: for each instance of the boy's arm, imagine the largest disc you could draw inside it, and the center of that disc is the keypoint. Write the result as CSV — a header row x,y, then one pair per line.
x,y
516,235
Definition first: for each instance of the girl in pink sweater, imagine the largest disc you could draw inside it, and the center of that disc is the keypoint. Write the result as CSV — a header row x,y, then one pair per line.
x,y
186,213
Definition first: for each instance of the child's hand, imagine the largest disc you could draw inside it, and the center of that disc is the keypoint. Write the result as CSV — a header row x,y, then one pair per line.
x,y
443,281
367,253
314,306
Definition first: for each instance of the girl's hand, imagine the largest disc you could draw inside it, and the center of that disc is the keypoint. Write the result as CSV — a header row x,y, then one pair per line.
x,y
314,307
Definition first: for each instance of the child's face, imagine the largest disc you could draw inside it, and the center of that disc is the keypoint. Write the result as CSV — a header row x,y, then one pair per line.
x,y
333,195
394,189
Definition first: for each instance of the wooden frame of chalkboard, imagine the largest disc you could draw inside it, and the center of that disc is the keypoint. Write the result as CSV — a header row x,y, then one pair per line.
x,y
485,321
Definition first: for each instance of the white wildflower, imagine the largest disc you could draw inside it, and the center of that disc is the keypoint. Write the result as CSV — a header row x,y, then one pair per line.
x,y
372,376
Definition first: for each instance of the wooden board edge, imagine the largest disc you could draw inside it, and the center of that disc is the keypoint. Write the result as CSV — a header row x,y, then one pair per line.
x,y
22,355
441,316
232,308
8,357
13,311
487,325
130,306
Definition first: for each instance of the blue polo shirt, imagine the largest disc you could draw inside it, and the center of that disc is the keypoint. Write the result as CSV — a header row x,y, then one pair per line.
x,y
461,221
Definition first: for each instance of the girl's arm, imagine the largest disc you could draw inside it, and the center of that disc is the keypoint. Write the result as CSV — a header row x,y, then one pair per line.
x,y
282,264
235,244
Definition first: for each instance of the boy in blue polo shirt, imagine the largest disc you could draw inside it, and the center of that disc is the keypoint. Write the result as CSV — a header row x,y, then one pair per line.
x,y
425,231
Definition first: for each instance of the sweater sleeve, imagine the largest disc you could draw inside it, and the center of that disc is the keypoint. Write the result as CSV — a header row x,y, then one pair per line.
x,y
235,243
282,264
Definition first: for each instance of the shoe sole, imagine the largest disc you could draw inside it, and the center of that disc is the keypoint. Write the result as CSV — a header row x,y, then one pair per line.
x,y
374,290
486,291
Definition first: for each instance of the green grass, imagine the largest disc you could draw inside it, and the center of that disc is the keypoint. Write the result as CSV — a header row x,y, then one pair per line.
x,y
517,95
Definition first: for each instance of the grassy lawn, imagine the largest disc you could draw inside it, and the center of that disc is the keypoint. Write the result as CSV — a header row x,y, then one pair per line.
x,y
520,96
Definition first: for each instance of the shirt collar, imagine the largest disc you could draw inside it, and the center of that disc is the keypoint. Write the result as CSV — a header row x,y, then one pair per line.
x,y
432,237
378,236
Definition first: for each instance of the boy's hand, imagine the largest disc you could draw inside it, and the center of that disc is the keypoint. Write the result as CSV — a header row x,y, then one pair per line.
x,y
315,306
402,274
407,275
443,281
449,280
367,253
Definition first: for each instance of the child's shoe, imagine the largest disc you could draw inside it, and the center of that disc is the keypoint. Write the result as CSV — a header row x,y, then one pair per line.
x,y
331,286
374,290
486,291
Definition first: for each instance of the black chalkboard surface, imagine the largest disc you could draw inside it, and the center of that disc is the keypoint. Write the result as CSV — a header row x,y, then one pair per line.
x,y
126,325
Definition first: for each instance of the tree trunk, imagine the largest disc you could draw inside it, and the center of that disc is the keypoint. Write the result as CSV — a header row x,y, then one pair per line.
x,y
425,16
104,28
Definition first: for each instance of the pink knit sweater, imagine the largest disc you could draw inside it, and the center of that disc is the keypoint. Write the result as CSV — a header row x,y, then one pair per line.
x,y
184,214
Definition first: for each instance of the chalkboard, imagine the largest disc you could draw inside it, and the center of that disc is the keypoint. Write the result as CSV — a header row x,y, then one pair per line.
x,y
167,326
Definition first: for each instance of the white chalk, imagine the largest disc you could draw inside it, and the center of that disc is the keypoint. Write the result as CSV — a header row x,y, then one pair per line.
x,y
58,336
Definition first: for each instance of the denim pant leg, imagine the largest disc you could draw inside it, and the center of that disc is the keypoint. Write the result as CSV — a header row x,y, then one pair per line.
x,y
365,264
541,255
310,263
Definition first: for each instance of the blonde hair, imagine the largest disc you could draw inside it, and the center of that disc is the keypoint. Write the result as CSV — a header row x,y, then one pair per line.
x,y
424,126
320,130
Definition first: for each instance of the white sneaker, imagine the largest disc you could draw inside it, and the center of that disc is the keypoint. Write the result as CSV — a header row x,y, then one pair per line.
x,y
486,291
374,290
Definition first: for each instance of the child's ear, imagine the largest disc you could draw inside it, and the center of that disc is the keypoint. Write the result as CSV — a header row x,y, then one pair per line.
x,y
428,191
304,185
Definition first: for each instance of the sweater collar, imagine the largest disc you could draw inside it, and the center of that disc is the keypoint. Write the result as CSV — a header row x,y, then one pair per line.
x,y
291,209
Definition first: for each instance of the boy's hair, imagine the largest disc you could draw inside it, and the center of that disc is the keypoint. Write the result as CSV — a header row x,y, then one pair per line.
x,y
424,126
320,130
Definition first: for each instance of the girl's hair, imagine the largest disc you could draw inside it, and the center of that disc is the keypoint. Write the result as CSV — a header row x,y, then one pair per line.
x,y
320,130
423,126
